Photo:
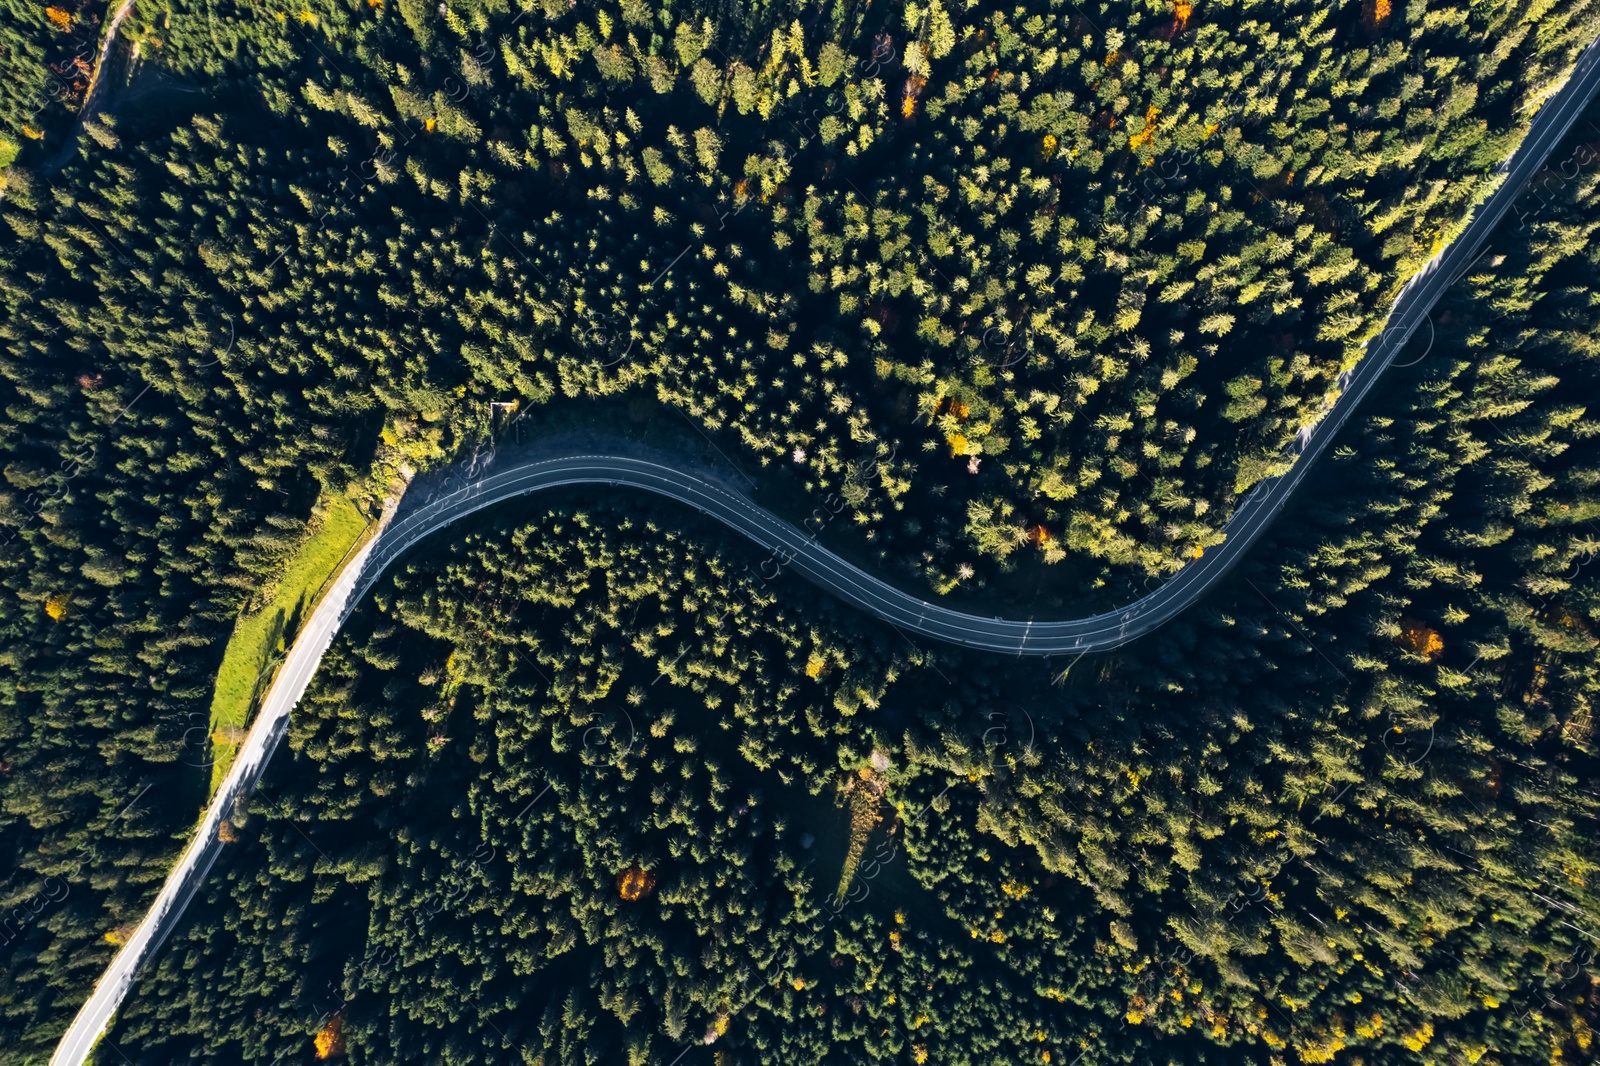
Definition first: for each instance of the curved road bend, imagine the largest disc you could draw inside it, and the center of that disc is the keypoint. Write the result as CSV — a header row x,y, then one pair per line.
x,y
1095,633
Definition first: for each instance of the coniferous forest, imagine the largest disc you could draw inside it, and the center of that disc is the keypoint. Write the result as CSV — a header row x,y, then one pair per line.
x,y
1028,298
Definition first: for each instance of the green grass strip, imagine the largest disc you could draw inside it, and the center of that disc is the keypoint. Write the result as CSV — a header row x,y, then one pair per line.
x,y
260,636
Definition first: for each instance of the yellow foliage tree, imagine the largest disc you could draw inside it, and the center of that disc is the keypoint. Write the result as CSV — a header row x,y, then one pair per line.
x,y
913,89
62,19
56,606
330,1041
1419,1038
1323,1049
1146,135
865,793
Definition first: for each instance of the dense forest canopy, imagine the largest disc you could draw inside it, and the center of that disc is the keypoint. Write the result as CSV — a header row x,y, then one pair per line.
x,y
582,789
1048,284
1051,267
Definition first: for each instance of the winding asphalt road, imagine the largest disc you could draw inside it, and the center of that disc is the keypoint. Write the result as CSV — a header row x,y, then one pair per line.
x,y
427,510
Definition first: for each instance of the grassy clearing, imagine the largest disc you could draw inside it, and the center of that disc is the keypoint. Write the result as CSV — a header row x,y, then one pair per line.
x,y
261,635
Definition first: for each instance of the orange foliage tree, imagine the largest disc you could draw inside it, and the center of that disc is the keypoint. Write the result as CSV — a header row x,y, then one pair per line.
x,y
62,19
635,883
1374,13
1420,639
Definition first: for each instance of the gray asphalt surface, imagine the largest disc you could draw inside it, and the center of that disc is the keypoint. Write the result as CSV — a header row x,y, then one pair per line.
x,y
484,486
